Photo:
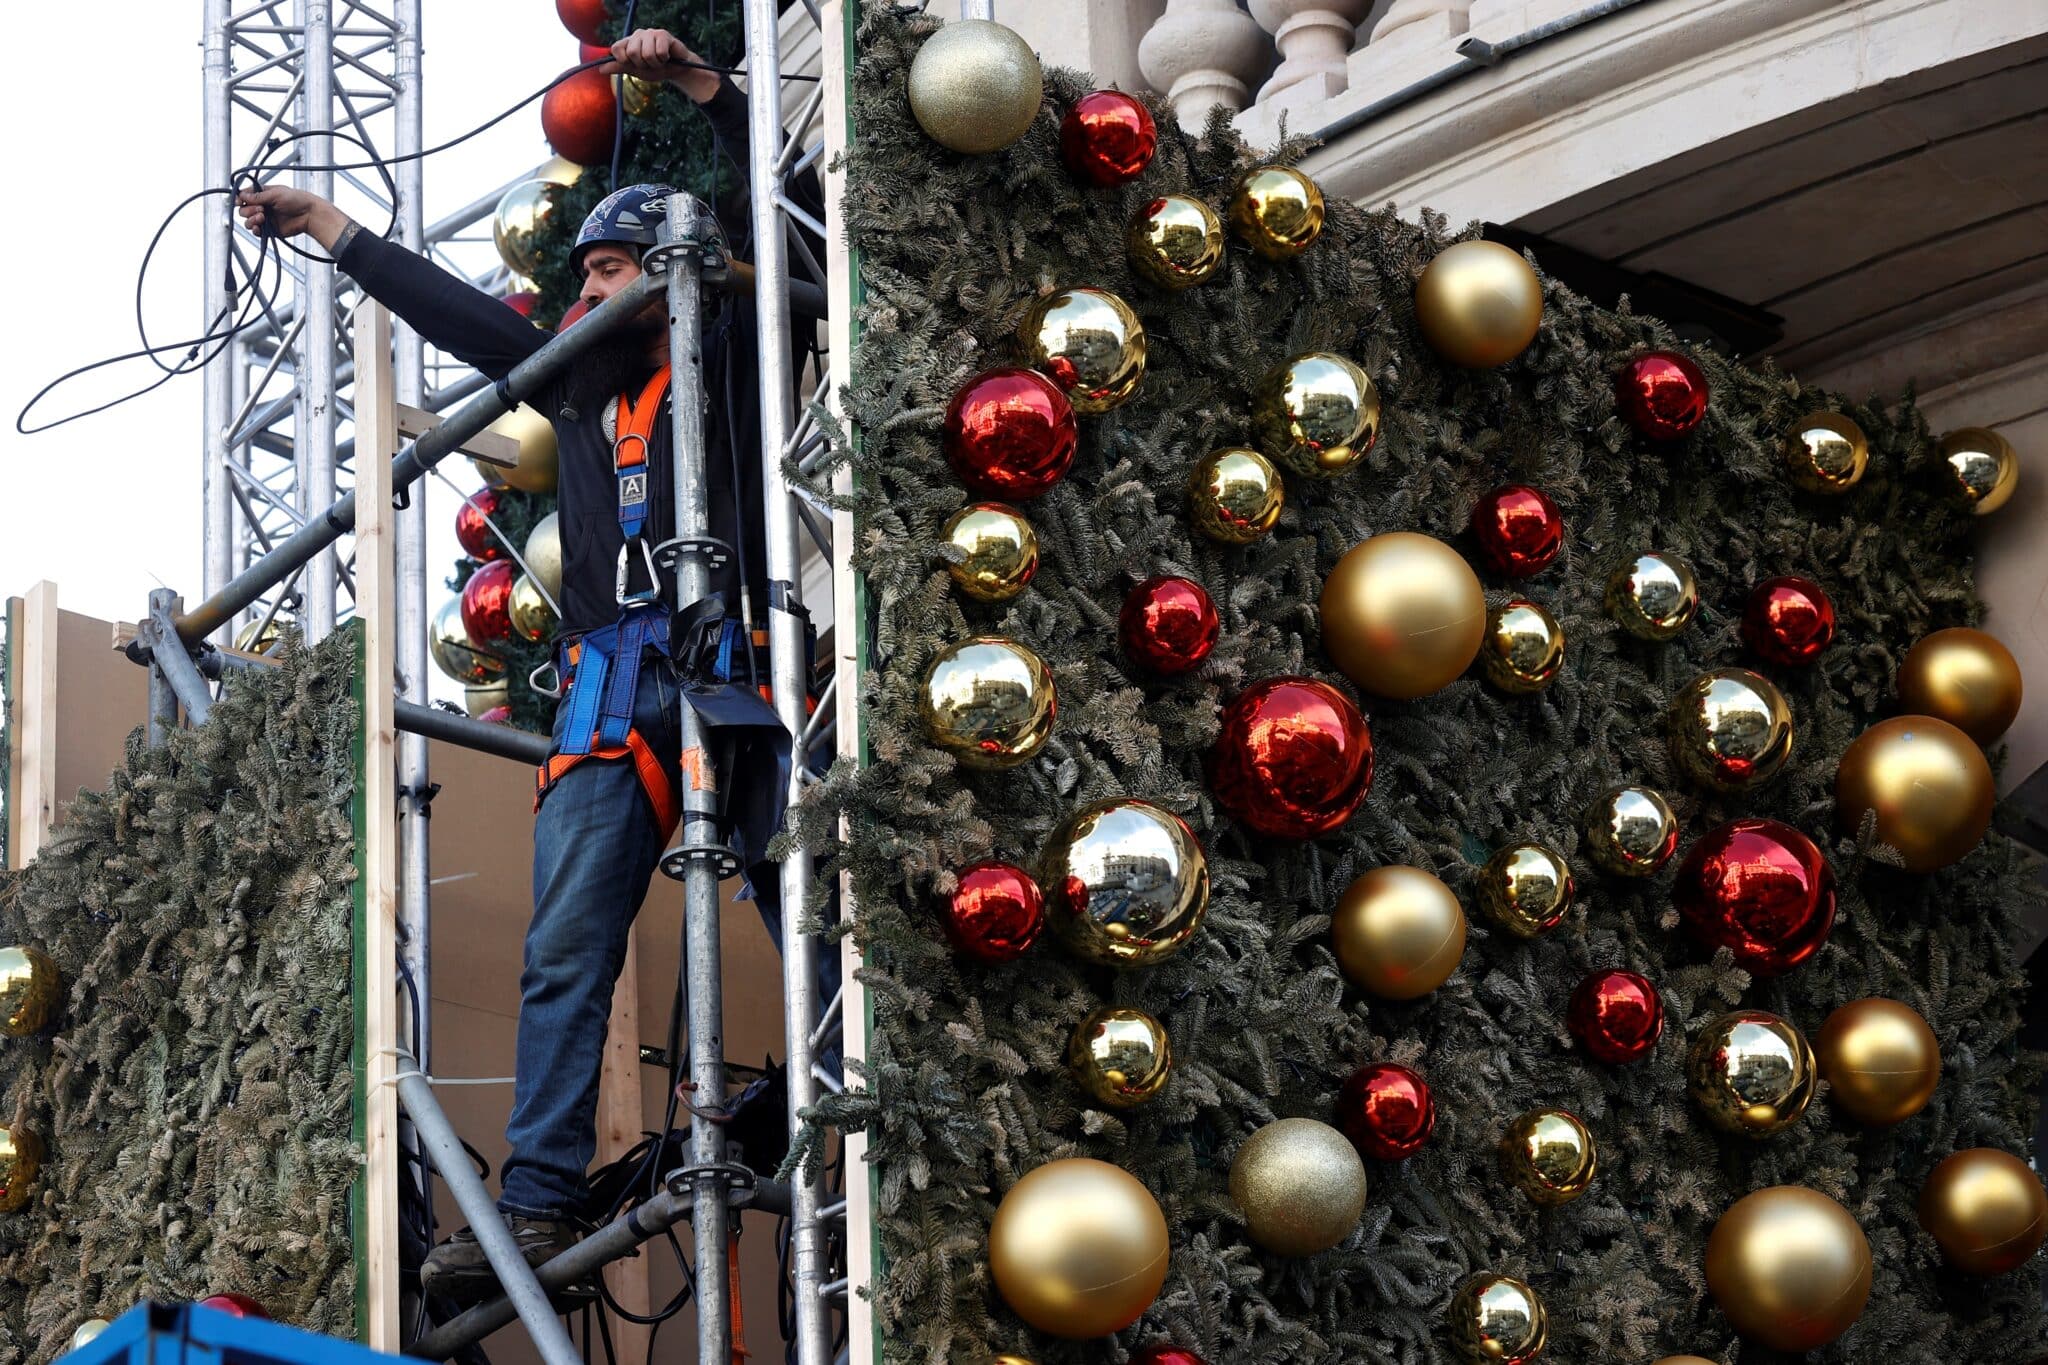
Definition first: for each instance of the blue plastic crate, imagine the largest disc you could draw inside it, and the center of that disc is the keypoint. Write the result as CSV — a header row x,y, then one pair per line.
x,y
186,1334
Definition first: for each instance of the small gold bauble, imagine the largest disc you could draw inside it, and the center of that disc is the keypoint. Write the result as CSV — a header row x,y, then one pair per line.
x,y
1523,651
1984,465
1479,304
1012,1360
1928,784
1964,677
1880,1060
486,697
1120,1056
1090,343
537,467
30,985
1750,1073
1399,932
532,617
1827,453
1789,1268
522,211
448,643
544,553
21,1159
1731,729
88,1332
1403,614
1986,1210
1548,1155
1126,883
1318,414
975,86
1630,831
1276,211
1236,495
1497,1320
1653,596
635,94
1078,1248
1300,1185
259,636
1526,888
988,701
998,551
1175,241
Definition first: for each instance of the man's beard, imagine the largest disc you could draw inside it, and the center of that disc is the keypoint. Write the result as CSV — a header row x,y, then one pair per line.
x,y
618,364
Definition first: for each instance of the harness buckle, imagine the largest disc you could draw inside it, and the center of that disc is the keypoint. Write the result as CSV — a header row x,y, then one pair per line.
x,y
533,681
653,590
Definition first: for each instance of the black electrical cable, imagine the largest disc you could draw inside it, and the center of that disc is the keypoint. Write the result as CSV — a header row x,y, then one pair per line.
x,y
619,107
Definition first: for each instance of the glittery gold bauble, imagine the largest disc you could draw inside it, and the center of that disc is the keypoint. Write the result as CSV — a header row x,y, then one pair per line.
x,y
1120,1056
1090,343
21,1159
1526,888
1497,1320
1630,831
1126,883
1928,783
1300,1185
998,551
1398,932
1880,1060
1479,304
1750,1073
559,170
448,643
1403,614
484,698
521,212
1984,466
1317,415
1175,241
1523,651
87,1332
544,553
1731,729
1827,453
30,985
1548,1155
1964,677
1653,596
1276,211
257,637
1985,1209
1078,1248
988,701
1236,496
1789,1267
532,617
635,94
975,86
537,455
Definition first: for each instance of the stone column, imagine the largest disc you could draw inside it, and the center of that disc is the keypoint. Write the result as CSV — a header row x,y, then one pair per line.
x,y
1202,53
1409,41
1315,38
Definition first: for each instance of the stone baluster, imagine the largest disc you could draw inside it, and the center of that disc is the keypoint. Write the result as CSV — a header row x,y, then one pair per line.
x,y
1315,38
1408,36
1202,53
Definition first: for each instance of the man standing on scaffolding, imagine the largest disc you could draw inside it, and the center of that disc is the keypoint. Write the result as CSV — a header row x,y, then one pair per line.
x,y
608,798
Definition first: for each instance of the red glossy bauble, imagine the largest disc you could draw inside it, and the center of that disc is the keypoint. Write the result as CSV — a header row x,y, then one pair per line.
x,y
590,52
1386,1110
995,913
1519,530
235,1305
1168,624
1759,888
487,602
1165,1355
497,715
1294,758
571,316
521,301
1788,620
1617,1016
475,536
1107,138
1010,433
1662,394
579,116
582,17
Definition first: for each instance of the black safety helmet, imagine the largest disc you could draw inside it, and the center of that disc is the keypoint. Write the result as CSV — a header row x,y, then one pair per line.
x,y
629,217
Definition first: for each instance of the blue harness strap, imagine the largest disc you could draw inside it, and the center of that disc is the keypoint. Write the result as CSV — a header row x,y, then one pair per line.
x,y
602,674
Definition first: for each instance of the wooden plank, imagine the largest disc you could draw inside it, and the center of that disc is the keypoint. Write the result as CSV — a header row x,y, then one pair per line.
x,y
501,452
620,1120
13,685
32,805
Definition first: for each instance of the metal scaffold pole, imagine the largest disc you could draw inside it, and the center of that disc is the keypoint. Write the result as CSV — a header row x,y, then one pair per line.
x,y
218,380
313,410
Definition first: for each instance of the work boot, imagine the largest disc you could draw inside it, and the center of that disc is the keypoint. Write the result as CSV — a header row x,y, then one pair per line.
x,y
458,1268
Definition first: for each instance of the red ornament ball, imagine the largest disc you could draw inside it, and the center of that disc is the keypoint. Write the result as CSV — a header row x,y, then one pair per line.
x,y
1165,1355
578,117
487,602
1617,1016
1519,530
590,52
1107,138
1788,620
582,17
235,1305
1010,434
1168,624
1293,760
1663,394
995,913
475,536
1386,1110
521,301
574,314
1762,890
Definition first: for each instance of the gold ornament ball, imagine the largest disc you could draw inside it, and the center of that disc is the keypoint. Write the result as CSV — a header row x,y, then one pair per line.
x,y
1880,1060
259,637
1479,304
537,467
1497,1320
1236,495
998,551
1398,932
1985,1209
1011,1360
532,617
1276,211
1403,614
975,86
1928,783
21,1159
1090,343
559,170
1126,883
1549,1156
1318,414
486,697
1984,465
544,553
1789,1268
30,986
1078,1248
1964,677
1653,596
1175,241
1751,1073
1300,1185
1120,1056
1827,453
1526,888
87,1332
1630,831
1523,651
635,95
988,701
1731,729
448,643
521,212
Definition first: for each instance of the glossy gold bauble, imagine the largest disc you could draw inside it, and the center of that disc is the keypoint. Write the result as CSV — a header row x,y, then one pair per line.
x,y
21,1160
1300,1185
1174,241
448,644
1653,596
537,467
1479,304
87,1332
1126,883
1984,465
1078,1248
1276,211
1629,831
1526,888
532,617
1090,343
1548,1155
1750,1073
1120,1056
1317,415
1398,932
1497,1320
559,170
1011,1360
484,698
259,636
1523,651
975,86
1964,677
1827,453
1236,496
30,986
1789,1268
521,212
998,551
635,94
988,701
1731,729
1403,614
1928,784
1880,1060
1985,1209
544,553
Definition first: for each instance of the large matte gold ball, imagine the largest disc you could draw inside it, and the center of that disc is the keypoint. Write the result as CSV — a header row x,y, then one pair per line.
x,y
1985,467
1497,1320
1827,453
1126,883
1403,614
481,700
544,553
449,645
1175,241
1120,1056
532,617
1985,1209
975,86
1653,596
1880,1060
1630,831
1731,729
998,551
521,212
1751,1073
988,702
1236,496
1964,677
538,469
1090,343
1479,304
1523,650
1300,1185
1398,932
30,986
1317,415
1526,888
21,1160
1276,211
1789,1267
1928,783
1549,1156
1078,1248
